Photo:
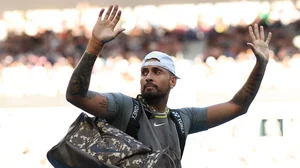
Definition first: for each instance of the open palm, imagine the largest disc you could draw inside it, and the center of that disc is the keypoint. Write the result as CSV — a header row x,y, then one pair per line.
x,y
259,45
103,30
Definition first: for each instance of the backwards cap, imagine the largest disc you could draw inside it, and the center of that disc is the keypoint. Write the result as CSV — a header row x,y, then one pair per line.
x,y
164,60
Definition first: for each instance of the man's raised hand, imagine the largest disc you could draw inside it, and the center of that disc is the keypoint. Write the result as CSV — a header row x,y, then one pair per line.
x,y
103,30
259,45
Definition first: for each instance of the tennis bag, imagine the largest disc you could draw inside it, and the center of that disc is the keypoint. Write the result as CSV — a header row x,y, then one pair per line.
x,y
93,143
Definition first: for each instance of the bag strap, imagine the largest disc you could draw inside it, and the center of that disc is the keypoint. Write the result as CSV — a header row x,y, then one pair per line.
x,y
134,125
177,119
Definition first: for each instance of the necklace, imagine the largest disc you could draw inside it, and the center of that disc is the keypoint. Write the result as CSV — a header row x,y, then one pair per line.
x,y
153,109
158,114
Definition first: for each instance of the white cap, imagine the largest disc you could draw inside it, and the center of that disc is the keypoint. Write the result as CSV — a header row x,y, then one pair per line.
x,y
165,61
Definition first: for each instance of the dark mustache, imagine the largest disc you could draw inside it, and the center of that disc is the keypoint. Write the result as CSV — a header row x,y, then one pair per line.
x,y
150,84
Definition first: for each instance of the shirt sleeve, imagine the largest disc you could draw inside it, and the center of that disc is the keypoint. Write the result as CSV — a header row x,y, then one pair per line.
x,y
119,110
195,119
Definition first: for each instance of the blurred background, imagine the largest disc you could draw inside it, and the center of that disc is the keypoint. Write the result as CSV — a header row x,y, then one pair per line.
x,y
42,41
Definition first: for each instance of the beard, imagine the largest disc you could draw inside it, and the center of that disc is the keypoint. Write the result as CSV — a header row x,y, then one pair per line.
x,y
153,97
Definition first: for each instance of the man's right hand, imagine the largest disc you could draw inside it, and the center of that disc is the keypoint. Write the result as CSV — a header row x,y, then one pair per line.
x,y
103,30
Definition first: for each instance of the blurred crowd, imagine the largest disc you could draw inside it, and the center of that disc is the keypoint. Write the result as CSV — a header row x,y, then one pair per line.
x,y
40,62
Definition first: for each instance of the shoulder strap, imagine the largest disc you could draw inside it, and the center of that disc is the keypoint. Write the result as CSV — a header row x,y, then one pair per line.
x,y
133,124
176,117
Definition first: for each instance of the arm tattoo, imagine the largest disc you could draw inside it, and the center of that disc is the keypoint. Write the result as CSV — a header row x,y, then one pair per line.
x,y
247,93
104,104
91,95
80,79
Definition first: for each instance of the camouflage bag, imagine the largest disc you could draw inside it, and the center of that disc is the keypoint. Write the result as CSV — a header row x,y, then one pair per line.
x,y
93,143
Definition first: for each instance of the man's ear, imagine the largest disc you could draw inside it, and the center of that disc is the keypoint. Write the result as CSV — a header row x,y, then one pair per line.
x,y
173,81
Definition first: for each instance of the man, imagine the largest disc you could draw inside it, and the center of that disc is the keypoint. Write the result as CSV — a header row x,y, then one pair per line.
x,y
158,77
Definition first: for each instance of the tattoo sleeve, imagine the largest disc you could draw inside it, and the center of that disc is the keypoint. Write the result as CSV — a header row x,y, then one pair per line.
x,y
80,79
247,93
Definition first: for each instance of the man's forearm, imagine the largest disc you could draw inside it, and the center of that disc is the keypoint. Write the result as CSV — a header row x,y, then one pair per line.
x,y
80,79
247,93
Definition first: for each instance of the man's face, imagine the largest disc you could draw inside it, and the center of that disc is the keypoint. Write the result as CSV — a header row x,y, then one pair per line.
x,y
156,82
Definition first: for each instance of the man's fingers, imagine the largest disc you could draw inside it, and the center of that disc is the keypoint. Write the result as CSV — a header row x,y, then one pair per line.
x,y
101,13
252,47
256,32
108,12
119,31
251,34
116,19
113,14
262,33
269,38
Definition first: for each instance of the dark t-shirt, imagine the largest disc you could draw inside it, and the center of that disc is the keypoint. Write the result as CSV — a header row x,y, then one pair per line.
x,y
157,132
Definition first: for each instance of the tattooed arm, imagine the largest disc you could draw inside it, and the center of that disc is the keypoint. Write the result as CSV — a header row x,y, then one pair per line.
x,y
78,89
239,104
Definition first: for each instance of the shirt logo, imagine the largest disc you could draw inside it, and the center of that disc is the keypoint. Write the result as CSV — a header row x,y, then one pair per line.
x,y
157,125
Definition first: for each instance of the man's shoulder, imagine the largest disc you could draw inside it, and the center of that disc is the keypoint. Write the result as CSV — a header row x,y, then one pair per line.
x,y
117,95
182,111
119,101
189,112
188,109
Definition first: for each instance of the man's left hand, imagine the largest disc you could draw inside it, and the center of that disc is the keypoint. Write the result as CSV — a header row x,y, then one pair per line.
x,y
259,45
